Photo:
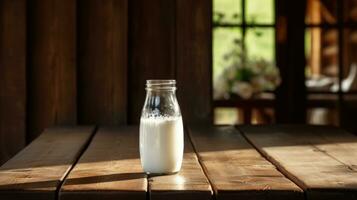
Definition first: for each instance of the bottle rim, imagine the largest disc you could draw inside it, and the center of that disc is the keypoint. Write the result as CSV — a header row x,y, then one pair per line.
x,y
161,84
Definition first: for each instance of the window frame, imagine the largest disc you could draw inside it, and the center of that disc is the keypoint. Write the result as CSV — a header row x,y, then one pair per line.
x,y
244,26
339,26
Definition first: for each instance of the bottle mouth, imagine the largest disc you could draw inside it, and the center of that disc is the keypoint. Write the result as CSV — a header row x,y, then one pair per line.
x,y
162,84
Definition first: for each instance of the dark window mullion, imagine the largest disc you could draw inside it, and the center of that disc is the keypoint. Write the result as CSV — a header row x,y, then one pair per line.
x,y
331,26
244,24
340,57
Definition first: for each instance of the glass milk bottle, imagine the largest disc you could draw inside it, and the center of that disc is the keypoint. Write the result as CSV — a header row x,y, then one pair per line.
x,y
161,129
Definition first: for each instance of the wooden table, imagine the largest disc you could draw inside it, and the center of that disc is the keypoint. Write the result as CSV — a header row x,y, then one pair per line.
x,y
222,162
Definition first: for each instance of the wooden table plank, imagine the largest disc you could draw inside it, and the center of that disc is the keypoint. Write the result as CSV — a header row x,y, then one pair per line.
x,y
109,169
189,183
236,169
322,160
39,169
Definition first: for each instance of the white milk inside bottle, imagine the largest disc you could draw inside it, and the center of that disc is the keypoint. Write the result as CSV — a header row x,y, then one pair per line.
x,y
161,144
161,129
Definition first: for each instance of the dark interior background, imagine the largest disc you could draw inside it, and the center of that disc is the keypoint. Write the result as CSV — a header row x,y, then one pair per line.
x,y
68,62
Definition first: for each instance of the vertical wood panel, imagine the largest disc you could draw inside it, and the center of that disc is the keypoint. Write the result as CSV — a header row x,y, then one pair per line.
x,y
102,55
194,50
290,104
52,64
151,47
12,77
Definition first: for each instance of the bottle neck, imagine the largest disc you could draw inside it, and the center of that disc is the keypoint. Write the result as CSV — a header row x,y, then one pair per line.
x,y
161,99
161,85
161,103
155,92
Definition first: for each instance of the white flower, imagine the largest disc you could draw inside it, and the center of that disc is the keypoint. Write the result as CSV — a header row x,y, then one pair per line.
x,y
243,89
245,76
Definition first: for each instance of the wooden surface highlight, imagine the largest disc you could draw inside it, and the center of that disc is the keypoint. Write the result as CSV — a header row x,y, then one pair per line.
x,y
189,183
12,77
236,169
322,160
109,169
37,171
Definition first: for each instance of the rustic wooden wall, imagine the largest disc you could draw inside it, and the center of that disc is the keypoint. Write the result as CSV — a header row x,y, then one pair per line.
x,y
12,77
179,48
151,50
86,62
51,64
102,61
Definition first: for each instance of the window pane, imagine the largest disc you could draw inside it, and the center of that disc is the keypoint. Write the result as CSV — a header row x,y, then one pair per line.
x,y
260,11
323,109
321,11
323,116
223,43
260,43
349,82
226,116
227,11
321,50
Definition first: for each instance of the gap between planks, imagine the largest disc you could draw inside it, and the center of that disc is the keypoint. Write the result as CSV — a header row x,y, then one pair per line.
x,y
274,162
288,189
37,171
81,152
332,160
199,160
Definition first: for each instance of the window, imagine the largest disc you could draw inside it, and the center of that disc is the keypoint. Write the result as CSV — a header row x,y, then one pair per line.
x,y
247,26
331,71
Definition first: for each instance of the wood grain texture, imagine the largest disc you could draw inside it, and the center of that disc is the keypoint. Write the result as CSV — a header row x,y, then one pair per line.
x,y
189,183
236,169
322,160
38,170
12,77
151,48
193,57
109,169
102,51
51,54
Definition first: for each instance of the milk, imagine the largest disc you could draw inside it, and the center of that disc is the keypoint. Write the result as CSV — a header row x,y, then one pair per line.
x,y
161,144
